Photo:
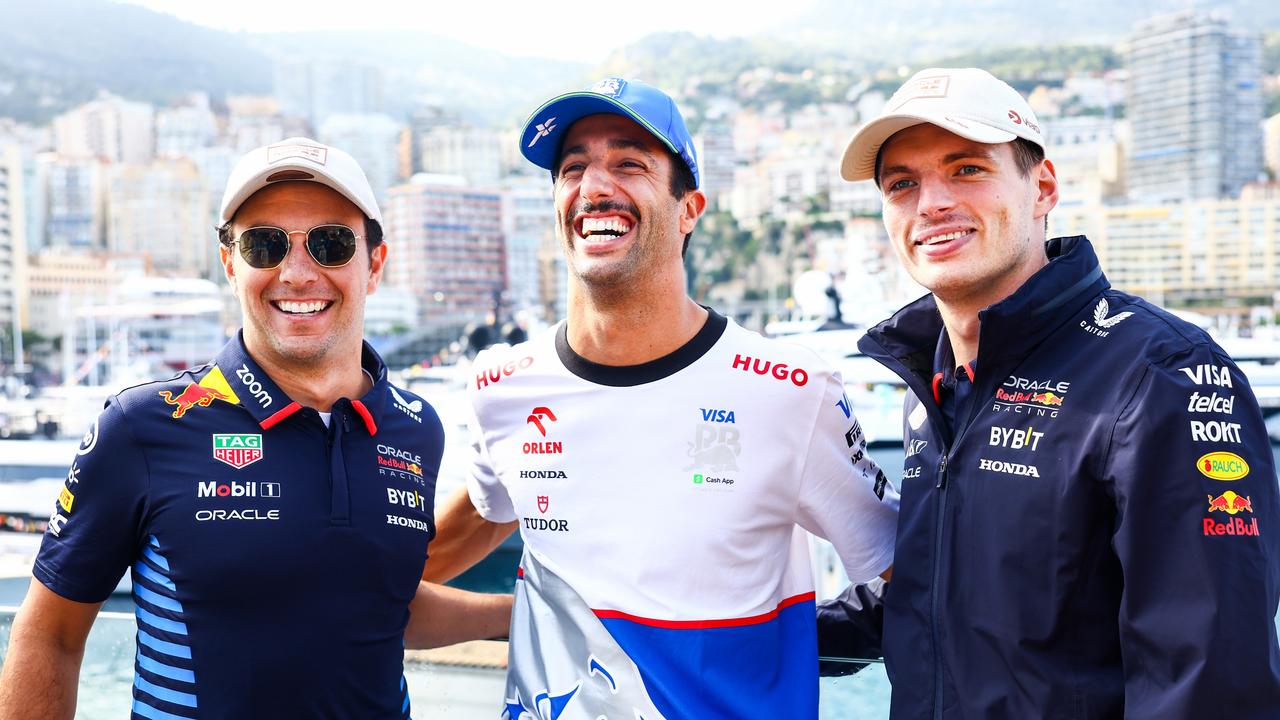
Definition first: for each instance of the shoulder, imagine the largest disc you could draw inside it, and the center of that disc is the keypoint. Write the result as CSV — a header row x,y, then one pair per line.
x,y
1145,332
747,351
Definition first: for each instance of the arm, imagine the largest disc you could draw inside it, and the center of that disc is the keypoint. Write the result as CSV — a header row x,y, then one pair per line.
x,y
42,666
463,538
1200,586
850,627
441,615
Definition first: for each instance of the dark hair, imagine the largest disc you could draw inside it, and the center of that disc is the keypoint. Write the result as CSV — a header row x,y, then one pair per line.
x,y
372,234
681,183
1026,155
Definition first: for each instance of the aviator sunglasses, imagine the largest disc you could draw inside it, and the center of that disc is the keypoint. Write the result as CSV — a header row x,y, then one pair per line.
x,y
264,247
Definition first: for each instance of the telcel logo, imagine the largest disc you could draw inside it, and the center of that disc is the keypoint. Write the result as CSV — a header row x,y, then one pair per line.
x,y
1222,466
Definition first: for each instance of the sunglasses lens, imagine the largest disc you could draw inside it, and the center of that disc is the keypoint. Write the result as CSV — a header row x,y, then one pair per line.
x,y
263,247
332,245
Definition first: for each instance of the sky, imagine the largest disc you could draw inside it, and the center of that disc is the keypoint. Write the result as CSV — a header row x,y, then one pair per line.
x,y
533,28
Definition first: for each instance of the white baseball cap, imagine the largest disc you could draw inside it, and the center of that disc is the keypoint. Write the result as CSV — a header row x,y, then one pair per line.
x,y
298,158
969,102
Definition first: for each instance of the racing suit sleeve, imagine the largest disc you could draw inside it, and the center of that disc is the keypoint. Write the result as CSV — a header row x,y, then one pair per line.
x,y
1197,536
95,531
844,496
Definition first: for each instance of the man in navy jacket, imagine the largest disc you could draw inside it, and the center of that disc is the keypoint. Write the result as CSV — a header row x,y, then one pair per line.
x,y
1090,522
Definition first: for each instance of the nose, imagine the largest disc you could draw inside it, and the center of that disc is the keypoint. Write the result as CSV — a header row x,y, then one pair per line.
x,y
596,183
298,268
934,196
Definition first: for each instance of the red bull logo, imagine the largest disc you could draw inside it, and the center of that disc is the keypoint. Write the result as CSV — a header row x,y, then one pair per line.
x,y
1047,398
1233,526
1230,503
191,396
1223,466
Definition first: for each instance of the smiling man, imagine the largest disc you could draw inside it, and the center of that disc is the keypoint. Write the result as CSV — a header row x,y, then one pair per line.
x,y
274,505
1090,524
658,459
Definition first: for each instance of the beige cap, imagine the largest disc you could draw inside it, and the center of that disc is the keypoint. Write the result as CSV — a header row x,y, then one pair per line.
x,y
969,102
298,158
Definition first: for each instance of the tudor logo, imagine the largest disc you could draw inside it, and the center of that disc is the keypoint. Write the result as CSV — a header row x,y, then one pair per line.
x,y
544,502
537,416
1221,465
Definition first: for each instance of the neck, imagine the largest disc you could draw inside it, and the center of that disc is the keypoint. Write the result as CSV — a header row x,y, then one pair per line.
x,y
609,329
962,330
316,385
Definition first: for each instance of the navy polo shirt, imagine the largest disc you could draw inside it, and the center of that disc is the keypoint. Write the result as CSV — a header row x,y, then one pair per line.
x,y
273,558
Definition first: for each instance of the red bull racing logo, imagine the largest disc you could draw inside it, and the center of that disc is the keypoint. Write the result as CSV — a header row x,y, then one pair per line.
x,y
1230,503
191,396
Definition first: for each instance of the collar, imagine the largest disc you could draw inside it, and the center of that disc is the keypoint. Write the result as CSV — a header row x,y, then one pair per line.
x,y
945,371
1009,328
235,373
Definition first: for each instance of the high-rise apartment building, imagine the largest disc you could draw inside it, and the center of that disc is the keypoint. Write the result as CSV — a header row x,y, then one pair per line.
x,y
69,203
473,153
108,128
160,212
317,89
448,249
13,243
1195,104
373,140
529,229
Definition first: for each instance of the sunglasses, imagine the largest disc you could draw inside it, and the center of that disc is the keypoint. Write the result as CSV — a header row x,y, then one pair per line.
x,y
264,247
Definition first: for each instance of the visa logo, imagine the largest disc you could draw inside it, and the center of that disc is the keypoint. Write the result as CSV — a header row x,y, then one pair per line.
x,y
716,416
1208,375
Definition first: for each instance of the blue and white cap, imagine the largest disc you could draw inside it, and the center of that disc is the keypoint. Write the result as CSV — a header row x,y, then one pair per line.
x,y
653,109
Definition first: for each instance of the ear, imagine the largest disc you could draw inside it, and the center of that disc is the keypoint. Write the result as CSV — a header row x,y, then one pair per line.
x,y
228,259
377,261
692,206
1047,183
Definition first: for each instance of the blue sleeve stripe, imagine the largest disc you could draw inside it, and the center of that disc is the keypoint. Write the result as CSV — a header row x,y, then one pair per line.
x,y
162,693
169,671
159,623
145,571
156,558
160,646
146,711
141,592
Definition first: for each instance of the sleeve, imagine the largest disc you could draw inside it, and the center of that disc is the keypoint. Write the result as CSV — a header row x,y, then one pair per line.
x,y
488,494
843,496
851,628
1197,536
95,531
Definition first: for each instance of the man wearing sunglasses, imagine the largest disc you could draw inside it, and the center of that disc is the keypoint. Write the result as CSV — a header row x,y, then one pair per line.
x,y
274,505
660,459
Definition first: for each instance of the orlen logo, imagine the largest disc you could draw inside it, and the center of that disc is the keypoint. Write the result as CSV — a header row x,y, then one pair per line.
x,y
253,386
497,372
536,417
1222,466
780,371
1019,120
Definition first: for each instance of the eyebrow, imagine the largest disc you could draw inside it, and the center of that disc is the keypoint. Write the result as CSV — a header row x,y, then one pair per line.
x,y
946,160
613,144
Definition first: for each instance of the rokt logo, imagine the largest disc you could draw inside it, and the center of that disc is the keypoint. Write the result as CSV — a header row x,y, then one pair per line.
x,y
1215,431
536,417
1222,465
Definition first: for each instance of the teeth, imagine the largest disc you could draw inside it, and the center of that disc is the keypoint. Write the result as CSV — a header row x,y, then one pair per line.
x,y
301,307
945,238
614,226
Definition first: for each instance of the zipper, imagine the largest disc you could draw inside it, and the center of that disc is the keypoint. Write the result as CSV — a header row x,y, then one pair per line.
x,y
935,620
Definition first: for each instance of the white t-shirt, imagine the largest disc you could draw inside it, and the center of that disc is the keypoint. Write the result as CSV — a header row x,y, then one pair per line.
x,y
664,574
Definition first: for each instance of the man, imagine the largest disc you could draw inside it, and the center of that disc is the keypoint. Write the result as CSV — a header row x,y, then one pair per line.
x,y
274,504
1089,520
658,458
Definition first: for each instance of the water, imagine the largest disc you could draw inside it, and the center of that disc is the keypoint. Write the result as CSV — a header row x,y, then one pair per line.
x,y
437,692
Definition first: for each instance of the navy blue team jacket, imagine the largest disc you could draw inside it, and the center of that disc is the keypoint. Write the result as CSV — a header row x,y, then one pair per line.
x,y
1100,535
273,558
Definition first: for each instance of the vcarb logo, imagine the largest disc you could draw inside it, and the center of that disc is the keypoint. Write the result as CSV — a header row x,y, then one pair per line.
x,y
715,448
245,514
253,386
1198,403
543,475
1008,467
1215,431
779,371
238,489
497,372
1206,374
1015,438
1225,466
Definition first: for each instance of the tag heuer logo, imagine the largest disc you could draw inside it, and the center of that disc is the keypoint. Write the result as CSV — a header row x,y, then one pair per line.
x,y
237,450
